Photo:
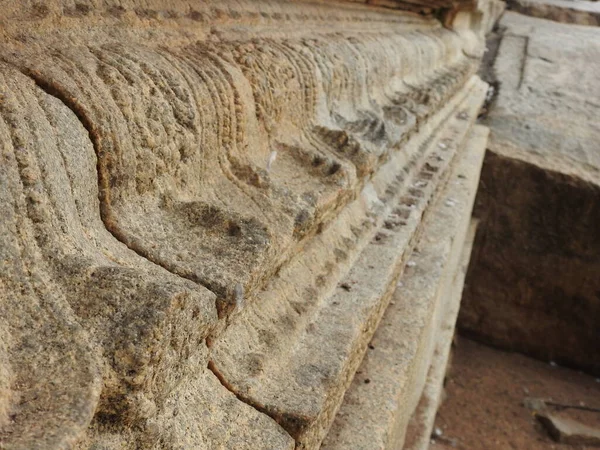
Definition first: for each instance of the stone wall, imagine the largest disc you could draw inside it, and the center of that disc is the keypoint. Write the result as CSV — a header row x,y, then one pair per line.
x,y
206,209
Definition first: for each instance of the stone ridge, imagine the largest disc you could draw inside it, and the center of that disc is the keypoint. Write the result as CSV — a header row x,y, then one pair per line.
x,y
421,426
163,171
67,13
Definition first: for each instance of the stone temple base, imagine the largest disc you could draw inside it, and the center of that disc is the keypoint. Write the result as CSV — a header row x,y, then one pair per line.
x,y
211,212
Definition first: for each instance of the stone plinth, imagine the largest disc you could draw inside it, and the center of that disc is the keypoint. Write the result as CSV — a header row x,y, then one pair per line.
x,y
206,209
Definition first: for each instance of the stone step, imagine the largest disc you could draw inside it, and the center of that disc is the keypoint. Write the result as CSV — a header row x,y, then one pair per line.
x,y
294,352
392,376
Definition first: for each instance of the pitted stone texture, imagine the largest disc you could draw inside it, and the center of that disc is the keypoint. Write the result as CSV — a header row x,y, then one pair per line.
x,y
198,414
132,11
387,386
90,326
50,378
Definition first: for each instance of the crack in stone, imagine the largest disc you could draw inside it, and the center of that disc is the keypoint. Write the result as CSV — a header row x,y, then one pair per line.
x,y
213,368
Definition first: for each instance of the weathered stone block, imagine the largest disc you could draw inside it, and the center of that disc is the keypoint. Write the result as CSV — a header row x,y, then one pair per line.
x,y
533,282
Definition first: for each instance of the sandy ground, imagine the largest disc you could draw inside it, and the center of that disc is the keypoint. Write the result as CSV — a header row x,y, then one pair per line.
x,y
485,390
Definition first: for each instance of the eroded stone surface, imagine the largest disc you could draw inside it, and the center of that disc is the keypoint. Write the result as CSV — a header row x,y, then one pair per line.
x,y
183,136
174,175
91,327
549,94
83,275
421,426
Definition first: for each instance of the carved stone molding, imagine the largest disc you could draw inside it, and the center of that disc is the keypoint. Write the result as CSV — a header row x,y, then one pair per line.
x,y
184,191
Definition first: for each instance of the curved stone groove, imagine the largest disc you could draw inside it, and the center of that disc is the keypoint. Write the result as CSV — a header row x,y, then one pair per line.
x,y
52,379
144,321
148,325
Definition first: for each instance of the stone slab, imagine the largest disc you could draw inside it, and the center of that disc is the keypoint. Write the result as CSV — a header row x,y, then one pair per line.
x,y
568,431
421,425
545,107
